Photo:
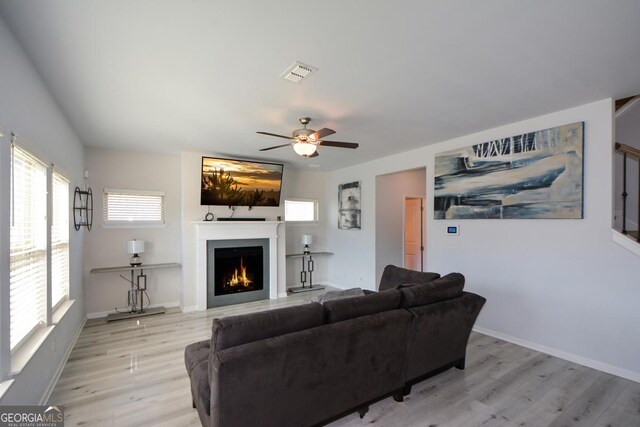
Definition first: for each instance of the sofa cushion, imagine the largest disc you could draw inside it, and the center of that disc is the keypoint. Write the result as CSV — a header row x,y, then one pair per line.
x,y
447,287
343,309
334,295
235,330
393,276
196,353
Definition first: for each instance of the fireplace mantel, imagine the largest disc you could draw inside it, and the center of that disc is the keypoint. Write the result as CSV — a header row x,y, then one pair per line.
x,y
228,230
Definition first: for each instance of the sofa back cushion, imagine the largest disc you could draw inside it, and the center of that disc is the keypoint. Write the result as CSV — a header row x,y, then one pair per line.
x,y
393,276
444,288
343,309
235,330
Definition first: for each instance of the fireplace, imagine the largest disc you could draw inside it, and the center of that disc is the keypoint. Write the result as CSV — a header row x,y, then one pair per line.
x,y
237,271
198,257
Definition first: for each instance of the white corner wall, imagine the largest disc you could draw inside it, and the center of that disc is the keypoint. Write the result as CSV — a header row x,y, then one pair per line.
x,y
106,247
27,108
560,286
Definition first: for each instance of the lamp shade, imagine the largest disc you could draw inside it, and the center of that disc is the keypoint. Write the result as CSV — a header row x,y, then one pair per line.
x,y
304,148
307,239
135,246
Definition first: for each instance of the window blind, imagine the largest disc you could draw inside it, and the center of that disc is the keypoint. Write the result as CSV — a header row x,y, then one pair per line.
x,y
133,206
300,210
59,239
27,245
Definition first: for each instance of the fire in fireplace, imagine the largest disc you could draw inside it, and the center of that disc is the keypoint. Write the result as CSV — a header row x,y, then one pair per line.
x,y
238,270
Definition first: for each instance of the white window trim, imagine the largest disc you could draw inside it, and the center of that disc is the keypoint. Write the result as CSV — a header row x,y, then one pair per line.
x,y
23,352
134,225
134,192
57,244
5,223
316,214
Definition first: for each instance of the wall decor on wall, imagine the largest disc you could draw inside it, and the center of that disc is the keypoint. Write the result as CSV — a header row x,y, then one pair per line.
x,y
349,206
532,175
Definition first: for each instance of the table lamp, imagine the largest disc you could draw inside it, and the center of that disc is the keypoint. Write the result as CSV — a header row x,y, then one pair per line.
x,y
135,247
307,239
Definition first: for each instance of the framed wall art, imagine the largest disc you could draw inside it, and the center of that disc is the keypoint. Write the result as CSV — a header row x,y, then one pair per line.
x,y
349,214
528,176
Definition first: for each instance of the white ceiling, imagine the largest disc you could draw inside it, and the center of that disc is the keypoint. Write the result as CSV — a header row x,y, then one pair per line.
x,y
202,75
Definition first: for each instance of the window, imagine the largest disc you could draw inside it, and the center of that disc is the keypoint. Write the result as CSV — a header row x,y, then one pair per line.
x,y
28,246
301,210
121,207
59,239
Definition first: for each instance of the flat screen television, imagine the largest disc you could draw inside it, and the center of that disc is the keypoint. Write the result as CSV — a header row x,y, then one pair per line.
x,y
227,182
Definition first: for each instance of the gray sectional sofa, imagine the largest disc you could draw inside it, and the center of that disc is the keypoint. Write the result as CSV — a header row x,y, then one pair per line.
x,y
307,365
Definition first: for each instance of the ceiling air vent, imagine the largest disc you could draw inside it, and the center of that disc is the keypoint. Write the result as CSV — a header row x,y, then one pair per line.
x,y
298,72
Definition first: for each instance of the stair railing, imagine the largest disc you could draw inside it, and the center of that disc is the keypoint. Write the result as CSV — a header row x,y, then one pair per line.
x,y
627,151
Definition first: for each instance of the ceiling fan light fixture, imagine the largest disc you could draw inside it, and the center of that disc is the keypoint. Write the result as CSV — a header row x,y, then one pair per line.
x,y
304,148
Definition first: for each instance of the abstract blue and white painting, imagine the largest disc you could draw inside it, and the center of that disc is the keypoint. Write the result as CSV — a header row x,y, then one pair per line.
x,y
533,175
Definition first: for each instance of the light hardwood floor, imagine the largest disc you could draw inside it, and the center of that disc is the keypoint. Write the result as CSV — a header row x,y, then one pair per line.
x,y
131,373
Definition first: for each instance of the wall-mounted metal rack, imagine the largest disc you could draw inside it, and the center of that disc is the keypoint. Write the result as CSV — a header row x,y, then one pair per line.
x,y
82,208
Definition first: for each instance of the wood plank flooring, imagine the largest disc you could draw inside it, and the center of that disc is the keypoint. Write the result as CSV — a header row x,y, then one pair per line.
x,y
131,373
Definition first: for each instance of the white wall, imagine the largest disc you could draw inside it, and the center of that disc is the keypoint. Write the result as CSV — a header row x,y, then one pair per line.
x,y
106,247
559,285
627,130
190,170
27,108
391,190
303,184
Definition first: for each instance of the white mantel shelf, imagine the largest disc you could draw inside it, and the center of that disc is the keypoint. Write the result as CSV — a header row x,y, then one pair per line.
x,y
229,230
236,224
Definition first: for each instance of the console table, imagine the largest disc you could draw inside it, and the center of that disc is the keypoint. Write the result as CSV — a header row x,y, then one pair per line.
x,y
307,267
138,287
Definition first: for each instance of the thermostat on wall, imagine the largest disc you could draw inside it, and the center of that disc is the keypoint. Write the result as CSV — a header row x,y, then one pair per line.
x,y
453,230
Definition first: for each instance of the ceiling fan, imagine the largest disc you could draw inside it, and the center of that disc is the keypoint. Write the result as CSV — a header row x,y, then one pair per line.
x,y
306,141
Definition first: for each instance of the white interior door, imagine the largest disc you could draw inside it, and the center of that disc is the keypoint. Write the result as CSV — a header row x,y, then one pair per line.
x,y
413,233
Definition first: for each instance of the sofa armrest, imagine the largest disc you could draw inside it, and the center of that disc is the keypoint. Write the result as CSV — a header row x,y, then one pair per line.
x,y
440,333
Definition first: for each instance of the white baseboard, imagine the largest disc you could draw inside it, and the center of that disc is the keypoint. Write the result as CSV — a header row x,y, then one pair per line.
x,y
56,377
625,241
590,363
100,314
189,308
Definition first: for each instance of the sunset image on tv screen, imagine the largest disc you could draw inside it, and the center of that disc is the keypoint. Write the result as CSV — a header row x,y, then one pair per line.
x,y
240,183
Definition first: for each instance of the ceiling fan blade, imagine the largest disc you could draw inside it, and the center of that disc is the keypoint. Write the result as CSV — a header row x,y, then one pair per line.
x,y
319,134
338,144
274,134
315,154
277,146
